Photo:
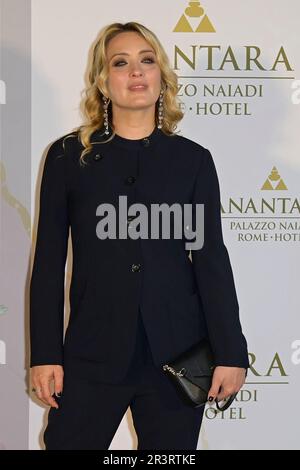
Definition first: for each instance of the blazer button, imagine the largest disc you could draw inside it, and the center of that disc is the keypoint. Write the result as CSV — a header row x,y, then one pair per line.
x,y
145,142
98,157
135,268
129,219
130,180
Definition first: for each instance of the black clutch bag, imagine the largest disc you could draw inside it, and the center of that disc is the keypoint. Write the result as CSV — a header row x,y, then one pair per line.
x,y
192,373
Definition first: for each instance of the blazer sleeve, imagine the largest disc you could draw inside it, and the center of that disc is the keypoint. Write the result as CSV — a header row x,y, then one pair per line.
x,y
47,283
214,274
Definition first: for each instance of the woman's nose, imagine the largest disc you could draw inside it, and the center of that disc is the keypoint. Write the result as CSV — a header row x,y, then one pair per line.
x,y
136,69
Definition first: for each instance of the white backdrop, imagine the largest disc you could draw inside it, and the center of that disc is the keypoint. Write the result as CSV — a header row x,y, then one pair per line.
x,y
247,139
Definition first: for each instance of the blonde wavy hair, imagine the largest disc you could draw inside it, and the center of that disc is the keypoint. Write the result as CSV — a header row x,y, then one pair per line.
x,y
93,108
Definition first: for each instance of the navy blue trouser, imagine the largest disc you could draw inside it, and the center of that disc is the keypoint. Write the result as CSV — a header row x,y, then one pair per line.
x,y
89,412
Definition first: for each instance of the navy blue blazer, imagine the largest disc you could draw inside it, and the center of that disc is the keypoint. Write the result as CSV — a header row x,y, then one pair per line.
x,y
181,299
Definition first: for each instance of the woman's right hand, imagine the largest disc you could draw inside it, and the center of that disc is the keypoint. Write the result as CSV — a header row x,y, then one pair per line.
x,y
41,378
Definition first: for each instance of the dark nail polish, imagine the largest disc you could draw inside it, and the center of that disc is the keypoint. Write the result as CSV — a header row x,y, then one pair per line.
x,y
210,398
58,394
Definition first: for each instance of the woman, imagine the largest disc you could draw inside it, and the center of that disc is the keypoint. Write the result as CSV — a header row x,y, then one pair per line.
x,y
136,301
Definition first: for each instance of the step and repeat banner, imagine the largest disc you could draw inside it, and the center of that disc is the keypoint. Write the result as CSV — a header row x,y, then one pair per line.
x,y
15,220
238,66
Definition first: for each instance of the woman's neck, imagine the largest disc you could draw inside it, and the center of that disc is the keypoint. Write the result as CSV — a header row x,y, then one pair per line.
x,y
133,127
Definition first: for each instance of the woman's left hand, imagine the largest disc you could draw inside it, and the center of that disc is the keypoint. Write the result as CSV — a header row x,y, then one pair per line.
x,y
226,381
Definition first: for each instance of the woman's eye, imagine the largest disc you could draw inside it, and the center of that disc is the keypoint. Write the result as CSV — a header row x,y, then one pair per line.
x,y
123,62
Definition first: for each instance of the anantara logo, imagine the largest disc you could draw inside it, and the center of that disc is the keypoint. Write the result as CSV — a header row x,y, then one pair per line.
x,y
274,181
203,23
221,79
263,218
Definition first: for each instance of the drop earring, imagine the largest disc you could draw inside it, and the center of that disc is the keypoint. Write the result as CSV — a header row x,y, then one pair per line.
x,y
160,110
105,114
